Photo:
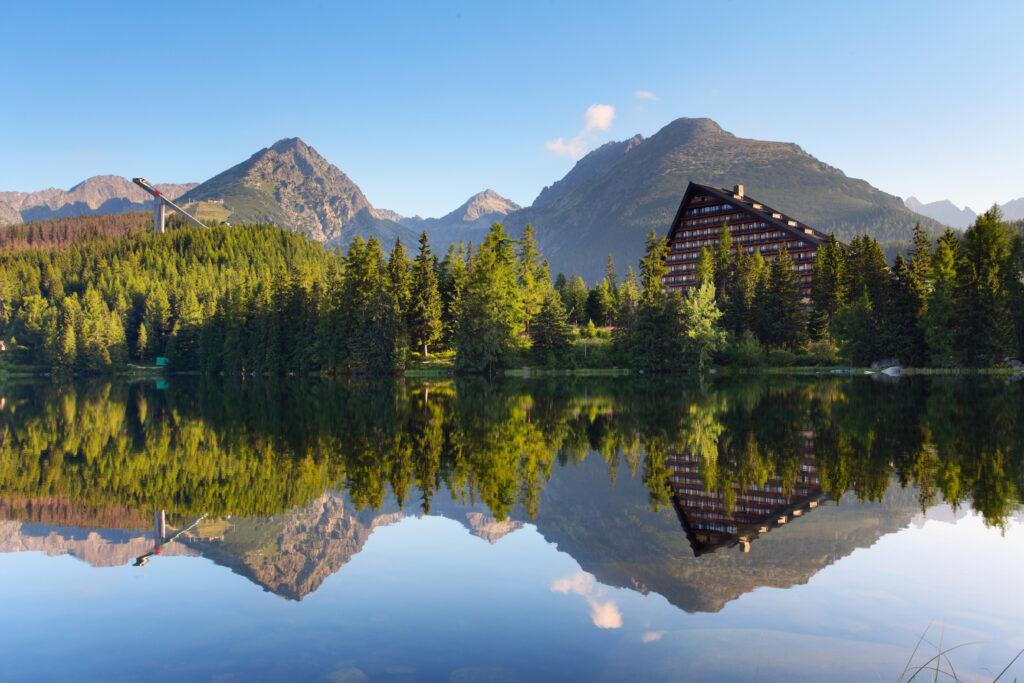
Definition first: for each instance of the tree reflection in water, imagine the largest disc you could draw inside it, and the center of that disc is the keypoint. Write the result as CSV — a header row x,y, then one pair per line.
x,y
258,448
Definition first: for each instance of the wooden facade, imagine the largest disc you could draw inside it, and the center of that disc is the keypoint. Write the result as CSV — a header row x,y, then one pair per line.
x,y
753,226
756,509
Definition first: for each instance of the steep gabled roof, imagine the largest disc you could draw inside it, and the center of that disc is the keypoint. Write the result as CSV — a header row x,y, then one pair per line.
x,y
750,206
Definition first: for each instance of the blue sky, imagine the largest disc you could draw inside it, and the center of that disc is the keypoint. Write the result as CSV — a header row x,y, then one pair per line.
x,y
424,104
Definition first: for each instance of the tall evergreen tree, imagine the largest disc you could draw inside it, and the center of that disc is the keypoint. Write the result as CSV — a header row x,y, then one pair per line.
x,y
748,274
611,277
654,338
550,335
574,299
491,315
901,331
940,311
653,270
425,311
920,265
828,288
704,270
699,319
532,271
454,275
723,264
781,319
600,307
984,270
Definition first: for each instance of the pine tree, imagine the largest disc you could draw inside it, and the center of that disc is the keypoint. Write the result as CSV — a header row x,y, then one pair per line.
x,y
857,332
625,314
938,318
531,269
920,265
723,264
611,277
704,270
901,331
699,319
551,337
866,269
984,331
653,270
425,312
574,300
452,282
828,289
780,315
600,307
654,340
748,274
491,315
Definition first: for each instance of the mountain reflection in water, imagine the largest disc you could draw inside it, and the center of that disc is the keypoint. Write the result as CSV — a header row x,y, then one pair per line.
x,y
646,485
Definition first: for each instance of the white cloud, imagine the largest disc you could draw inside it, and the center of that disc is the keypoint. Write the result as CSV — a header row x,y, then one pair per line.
x,y
651,636
597,117
604,614
645,95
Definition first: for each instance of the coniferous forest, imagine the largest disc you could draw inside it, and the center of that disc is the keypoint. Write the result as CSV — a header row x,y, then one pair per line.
x,y
92,295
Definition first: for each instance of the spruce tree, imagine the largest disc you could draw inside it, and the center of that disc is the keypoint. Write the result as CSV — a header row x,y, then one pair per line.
x,y
550,335
780,315
425,311
901,330
491,314
984,270
939,315
531,269
828,288
723,264
699,319
611,277
704,271
574,299
454,274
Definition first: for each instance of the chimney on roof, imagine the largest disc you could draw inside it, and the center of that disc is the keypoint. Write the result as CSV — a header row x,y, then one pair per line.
x,y
738,191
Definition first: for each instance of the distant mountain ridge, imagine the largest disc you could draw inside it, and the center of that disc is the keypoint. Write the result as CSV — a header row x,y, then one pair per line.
x,y
102,194
605,204
948,213
470,222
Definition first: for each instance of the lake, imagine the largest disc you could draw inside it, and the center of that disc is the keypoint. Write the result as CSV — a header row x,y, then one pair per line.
x,y
761,528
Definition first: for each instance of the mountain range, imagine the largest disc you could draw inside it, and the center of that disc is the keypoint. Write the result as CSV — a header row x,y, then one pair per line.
x,y
99,194
948,213
604,205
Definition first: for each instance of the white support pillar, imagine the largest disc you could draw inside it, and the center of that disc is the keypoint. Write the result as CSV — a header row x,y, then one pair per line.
x,y
158,217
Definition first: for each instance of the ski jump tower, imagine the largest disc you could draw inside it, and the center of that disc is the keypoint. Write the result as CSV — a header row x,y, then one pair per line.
x,y
159,208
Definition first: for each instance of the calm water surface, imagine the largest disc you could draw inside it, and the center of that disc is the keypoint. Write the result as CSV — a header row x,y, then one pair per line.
x,y
529,530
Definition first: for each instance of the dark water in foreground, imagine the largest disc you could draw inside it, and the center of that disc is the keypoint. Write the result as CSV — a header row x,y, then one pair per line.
x,y
787,529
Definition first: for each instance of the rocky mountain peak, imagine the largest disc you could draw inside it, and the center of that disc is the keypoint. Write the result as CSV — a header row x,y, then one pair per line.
x,y
289,184
483,204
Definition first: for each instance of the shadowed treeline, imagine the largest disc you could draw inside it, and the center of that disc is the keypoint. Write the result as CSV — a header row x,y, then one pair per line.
x,y
261,447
